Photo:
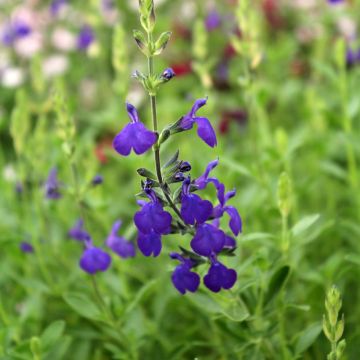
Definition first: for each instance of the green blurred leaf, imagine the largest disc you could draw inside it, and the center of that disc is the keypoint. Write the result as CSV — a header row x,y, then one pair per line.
x,y
277,282
307,338
304,224
52,333
83,305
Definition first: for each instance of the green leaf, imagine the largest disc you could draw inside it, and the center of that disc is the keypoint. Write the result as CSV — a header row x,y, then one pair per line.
x,y
83,305
52,333
172,160
144,291
277,282
307,338
235,309
161,43
304,224
146,173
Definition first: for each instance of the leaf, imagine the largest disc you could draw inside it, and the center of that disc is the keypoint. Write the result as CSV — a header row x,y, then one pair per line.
x,y
146,173
256,237
232,308
304,224
235,310
307,338
353,258
236,167
144,291
277,282
83,305
172,160
52,333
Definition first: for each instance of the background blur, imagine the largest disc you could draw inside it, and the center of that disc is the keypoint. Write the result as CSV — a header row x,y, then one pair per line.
x,y
283,81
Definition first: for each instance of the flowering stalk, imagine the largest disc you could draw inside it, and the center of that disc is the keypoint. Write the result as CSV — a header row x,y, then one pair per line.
x,y
193,215
333,327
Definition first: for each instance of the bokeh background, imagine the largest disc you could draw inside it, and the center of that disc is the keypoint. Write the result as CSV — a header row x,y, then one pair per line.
x,y
283,81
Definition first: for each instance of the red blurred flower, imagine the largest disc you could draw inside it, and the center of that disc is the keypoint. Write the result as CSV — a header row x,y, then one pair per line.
x,y
101,148
272,14
182,68
228,116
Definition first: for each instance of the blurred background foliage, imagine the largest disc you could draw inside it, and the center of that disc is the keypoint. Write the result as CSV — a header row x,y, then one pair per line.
x,y
283,81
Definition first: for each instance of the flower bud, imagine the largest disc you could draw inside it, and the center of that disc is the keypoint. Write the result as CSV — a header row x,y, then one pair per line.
x,y
185,166
168,74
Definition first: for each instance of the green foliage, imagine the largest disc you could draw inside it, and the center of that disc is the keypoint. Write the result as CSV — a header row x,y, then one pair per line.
x,y
286,116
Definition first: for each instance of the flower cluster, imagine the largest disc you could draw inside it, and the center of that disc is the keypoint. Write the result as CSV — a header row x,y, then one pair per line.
x,y
174,205
195,216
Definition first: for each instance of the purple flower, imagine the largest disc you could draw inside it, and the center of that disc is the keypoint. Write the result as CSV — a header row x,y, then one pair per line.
x,y
208,240
352,57
168,74
152,217
26,247
182,277
213,20
134,135
230,242
204,128
77,232
97,180
219,276
202,181
94,259
149,244
193,208
152,222
335,1
235,222
118,244
15,30
56,5
85,37
52,185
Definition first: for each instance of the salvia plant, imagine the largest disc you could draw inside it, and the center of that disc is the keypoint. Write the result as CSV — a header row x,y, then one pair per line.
x,y
172,204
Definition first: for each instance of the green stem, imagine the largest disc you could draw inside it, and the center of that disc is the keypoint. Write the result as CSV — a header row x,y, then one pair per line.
x,y
156,146
285,235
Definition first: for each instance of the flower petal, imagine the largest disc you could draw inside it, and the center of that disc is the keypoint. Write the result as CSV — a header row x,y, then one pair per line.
x,y
94,259
132,112
208,240
194,208
149,244
143,139
184,279
235,222
122,141
206,131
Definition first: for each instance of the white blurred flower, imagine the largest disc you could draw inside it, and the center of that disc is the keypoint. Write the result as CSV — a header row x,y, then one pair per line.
x,y
347,27
63,39
9,173
135,4
188,10
88,91
12,77
30,45
304,4
55,65
135,95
